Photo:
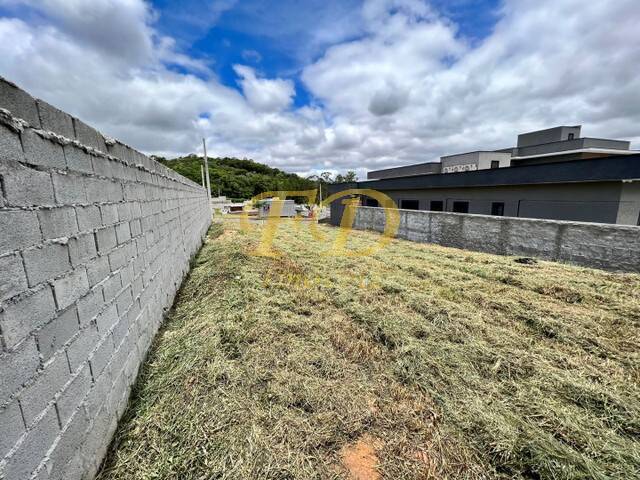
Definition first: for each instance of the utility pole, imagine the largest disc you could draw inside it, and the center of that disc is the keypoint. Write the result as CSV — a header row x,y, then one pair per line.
x,y
202,176
206,168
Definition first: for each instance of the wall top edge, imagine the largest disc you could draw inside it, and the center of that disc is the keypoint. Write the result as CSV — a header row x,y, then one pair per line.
x,y
615,227
16,103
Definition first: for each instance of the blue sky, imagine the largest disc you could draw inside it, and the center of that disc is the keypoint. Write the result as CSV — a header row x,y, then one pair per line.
x,y
313,86
280,38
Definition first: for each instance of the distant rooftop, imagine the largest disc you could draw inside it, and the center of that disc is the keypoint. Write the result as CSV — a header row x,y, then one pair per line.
x,y
549,145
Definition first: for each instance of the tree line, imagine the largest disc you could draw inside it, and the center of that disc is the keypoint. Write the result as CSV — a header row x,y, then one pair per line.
x,y
243,178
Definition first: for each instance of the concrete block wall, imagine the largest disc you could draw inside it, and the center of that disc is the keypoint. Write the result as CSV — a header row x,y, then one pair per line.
x,y
605,246
95,239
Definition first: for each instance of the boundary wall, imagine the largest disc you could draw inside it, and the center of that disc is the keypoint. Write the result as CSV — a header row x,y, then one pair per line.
x,y
609,247
95,240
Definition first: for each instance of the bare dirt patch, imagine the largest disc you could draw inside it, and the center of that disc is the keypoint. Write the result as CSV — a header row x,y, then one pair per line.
x,y
360,459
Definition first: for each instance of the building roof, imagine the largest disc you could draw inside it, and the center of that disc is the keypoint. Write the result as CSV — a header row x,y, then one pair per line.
x,y
610,151
574,144
550,129
470,153
604,169
405,170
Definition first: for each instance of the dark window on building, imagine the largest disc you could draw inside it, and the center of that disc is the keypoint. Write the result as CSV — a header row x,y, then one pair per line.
x,y
495,163
410,204
571,136
436,206
461,207
497,209
371,202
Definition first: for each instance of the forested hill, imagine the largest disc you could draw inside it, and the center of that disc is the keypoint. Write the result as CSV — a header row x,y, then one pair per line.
x,y
237,178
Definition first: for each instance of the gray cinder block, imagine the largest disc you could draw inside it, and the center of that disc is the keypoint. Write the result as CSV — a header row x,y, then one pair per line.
x,y
137,286
520,240
89,136
66,446
10,146
95,186
70,288
135,227
17,367
75,468
18,102
12,427
88,218
102,427
33,447
73,394
109,214
118,258
118,390
120,332
69,189
132,192
35,398
25,187
97,270
106,238
115,192
117,150
107,319
90,305
20,317
123,233
82,248
58,222
55,120
46,262
98,393
20,229
80,348
132,364
55,334
124,212
12,276
42,151
77,159
101,356
103,167
111,287
124,301
126,275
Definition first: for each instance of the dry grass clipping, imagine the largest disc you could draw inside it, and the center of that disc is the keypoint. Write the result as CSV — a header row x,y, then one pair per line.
x,y
460,365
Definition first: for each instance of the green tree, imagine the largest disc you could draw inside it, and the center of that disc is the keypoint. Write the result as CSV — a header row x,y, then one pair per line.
x,y
350,176
238,178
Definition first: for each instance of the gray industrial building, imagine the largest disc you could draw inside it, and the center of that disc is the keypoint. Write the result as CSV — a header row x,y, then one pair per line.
x,y
556,144
551,174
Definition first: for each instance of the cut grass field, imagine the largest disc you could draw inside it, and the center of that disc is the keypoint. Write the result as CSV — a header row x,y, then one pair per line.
x,y
417,362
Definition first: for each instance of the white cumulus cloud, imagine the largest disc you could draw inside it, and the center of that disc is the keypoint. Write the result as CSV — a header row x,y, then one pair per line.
x,y
408,87
264,94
